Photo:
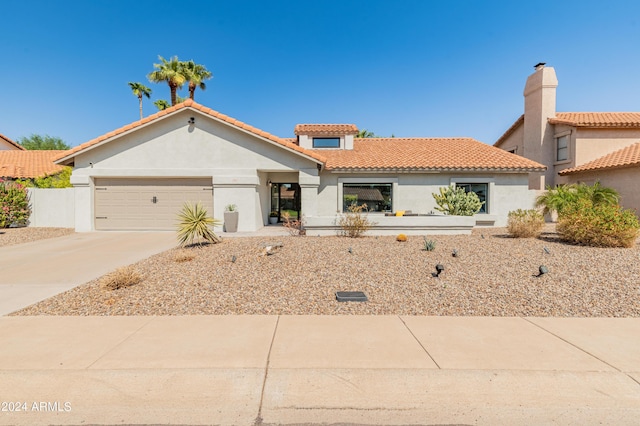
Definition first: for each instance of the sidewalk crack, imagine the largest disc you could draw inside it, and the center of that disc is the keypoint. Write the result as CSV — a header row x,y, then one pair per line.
x,y
258,420
572,344
420,343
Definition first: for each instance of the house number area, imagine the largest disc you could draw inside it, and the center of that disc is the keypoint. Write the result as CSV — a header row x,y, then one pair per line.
x,y
29,406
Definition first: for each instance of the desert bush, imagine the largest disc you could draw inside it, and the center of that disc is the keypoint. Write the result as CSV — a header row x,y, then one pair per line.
x,y
525,223
402,238
457,202
183,256
354,222
598,225
429,245
295,227
14,204
121,278
194,222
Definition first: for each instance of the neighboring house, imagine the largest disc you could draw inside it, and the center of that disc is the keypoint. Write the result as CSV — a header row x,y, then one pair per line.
x,y
25,164
7,144
575,146
139,176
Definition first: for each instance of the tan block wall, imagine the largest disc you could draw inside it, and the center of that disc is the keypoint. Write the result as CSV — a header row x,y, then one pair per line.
x,y
625,181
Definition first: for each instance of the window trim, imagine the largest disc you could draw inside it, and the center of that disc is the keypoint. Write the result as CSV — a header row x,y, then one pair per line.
x,y
556,138
313,142
490,182
367,181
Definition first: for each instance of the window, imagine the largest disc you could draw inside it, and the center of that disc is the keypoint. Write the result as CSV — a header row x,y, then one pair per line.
x,y
513,150
377,196
562,148
481,190
326,142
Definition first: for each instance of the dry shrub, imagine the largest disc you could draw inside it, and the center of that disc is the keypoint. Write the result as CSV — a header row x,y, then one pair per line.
x,y
183,256
525,223
295,227
598,225
354,222
120,278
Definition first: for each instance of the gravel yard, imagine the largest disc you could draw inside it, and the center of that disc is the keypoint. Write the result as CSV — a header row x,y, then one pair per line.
x,y
11,236
491,276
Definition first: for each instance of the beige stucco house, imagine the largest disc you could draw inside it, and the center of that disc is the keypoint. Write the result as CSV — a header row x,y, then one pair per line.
x,y
139,176
575,146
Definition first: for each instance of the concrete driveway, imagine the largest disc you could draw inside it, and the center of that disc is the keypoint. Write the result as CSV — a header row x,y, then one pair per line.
x,y
35,271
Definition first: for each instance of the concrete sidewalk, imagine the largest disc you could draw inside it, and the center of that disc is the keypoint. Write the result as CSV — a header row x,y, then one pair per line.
x,y
35,271
245,370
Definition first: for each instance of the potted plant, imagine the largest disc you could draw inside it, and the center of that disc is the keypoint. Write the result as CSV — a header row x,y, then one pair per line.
x,y
231,218
273,217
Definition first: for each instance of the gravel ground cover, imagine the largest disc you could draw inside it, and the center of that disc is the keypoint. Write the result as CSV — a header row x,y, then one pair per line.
x,y
11,236
493,275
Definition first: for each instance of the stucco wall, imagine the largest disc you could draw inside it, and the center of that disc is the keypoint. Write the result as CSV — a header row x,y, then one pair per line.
x,y
52,208
594,143
237,162
414,192
625,181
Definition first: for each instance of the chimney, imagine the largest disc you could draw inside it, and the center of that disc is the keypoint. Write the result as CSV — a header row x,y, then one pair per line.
x,y
539,106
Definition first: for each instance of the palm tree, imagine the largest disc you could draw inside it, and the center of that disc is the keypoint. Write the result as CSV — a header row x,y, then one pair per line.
x,y
172,72
161,104
195,75
599,194
140,90
364,133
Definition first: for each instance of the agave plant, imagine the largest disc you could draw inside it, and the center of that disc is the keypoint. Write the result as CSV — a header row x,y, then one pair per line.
x,y
195,223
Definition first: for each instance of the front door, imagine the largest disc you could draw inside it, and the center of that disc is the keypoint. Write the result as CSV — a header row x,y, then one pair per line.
x,y
285,198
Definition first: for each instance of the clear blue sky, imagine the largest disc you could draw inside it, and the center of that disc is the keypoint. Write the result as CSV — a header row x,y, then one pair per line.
x,y
408,68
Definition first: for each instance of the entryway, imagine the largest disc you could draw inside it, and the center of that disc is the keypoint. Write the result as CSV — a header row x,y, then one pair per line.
x,y
285,198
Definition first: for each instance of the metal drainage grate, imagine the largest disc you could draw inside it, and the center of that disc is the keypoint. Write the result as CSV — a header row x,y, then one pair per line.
x,y
351,296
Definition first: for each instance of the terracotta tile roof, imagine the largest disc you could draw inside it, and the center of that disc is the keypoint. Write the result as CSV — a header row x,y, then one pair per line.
x,y
28,164
519,122
625,157
190,104
10,142
325,129
597,119
426,154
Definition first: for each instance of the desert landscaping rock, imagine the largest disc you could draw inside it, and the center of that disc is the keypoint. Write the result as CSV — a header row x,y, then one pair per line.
x,y
495,276
11,236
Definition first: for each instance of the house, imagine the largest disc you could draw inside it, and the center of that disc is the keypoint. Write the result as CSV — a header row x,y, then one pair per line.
x,y
139,176
25,164
7,144
575,146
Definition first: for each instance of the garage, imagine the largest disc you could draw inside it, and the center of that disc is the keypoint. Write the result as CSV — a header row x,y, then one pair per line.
x,y
147,203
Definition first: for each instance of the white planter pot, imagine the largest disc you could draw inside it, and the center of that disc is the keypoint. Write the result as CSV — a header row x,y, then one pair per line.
x,y
231,221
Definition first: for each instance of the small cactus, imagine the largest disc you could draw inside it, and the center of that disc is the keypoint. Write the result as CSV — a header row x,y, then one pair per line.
x,y
429,245
401,237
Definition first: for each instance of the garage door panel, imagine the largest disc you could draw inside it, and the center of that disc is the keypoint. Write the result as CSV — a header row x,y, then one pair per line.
x,y
129,203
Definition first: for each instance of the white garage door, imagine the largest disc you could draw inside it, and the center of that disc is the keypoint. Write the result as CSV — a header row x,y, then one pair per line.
x,y
135,204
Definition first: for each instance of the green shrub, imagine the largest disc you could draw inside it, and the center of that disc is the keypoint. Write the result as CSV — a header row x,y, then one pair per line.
x,y
59,180
354,223
457,202
195,223
558,198
14,204
429,245
525,223
598,225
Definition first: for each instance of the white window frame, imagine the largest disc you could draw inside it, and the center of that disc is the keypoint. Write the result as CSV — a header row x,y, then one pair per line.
x,y
490,182
367,181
